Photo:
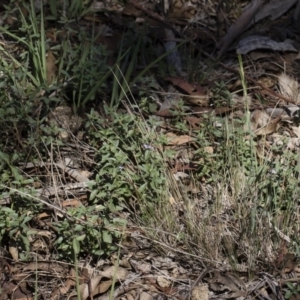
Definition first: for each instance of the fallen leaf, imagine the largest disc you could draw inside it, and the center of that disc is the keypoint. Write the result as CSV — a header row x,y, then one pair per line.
x,y
51,68
269,128
258,42
180,175
145,296
72,202
193,121
14,252
144,268
172,200
43,215
68,283
86,289
163,282
289,87
200,292
112,272
208,149
293,144
227,281
196,94
262,123
296,131
103,287
240,25
180,140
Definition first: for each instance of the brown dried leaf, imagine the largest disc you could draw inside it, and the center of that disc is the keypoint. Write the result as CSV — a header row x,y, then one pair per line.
x,y
103,287
85,275
262,124
87,288
196,94
179,140
39,245
171,100
164,113
22,292
242,102
229,280
180,176
198,100
192,89
296,130
286,262
95,287
19,276
193,121
289,87
200,292
7,288
43,215
72,203
112,272
51,68
44,233
14,252
208,149
145,296
237,29
163,282
144,268
67,285
172,200
269,128
293,144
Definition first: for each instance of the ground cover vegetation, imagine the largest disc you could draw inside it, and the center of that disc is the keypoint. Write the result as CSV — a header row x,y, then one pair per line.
x,y
143,156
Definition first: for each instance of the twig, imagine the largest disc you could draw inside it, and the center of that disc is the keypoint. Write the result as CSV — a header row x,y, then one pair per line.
x,y
199,278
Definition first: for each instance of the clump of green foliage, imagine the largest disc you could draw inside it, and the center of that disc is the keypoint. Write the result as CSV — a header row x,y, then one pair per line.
x,y
129,162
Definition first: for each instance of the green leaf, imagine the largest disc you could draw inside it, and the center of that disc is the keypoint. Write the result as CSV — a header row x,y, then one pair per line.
x,y
76,246
119,221
4,157
15,157
106,236
288,295
59,240
100,207
142,188
93,194
31,232
81,237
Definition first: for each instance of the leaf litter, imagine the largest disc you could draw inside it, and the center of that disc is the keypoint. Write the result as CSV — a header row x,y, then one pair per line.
x,y
141,272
